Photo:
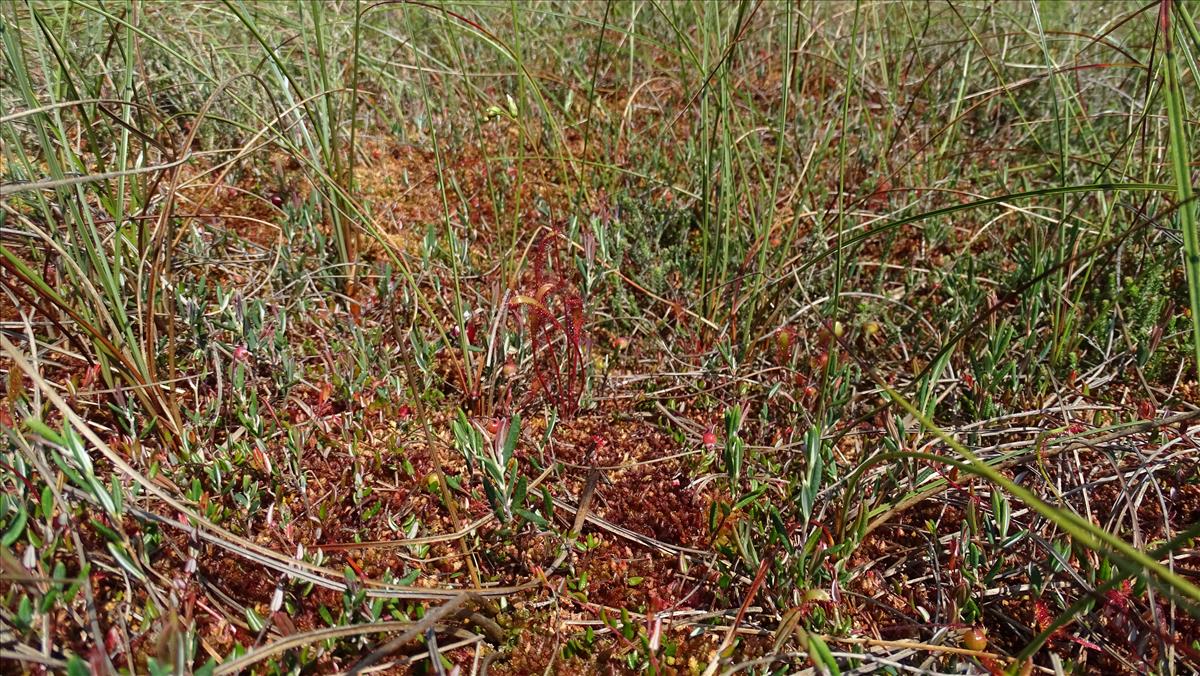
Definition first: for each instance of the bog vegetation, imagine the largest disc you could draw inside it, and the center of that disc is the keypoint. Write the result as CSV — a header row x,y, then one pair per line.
x,y
665,337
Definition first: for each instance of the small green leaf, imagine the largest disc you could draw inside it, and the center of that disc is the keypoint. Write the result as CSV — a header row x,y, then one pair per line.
x,y
256,623
511,439
24,612
821,657
42,430
126,561
326,615
532,517
107,532
48,601
16,529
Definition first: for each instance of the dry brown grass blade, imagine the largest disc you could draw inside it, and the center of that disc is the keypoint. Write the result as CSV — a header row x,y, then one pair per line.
x,y
14,188
306,638
428,622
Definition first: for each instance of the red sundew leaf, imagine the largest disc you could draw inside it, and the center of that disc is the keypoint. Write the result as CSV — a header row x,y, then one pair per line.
x,y
1118,599
90,375
553,312
1085,643
545,290
1043,617
575,318
539,260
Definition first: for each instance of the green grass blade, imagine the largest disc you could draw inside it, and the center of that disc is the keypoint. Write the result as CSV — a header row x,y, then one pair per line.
x,y
1180,153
